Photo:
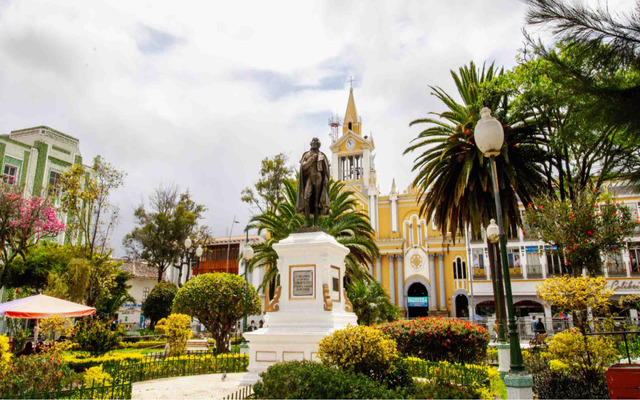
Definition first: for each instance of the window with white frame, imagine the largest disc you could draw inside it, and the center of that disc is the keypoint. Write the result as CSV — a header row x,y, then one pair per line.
x,y
54,179
477,257
615,264
534,266
634,258
145,293
515,263
10,174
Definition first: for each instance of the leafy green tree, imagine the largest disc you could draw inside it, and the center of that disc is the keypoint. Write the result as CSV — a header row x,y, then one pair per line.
x,y
42,260
584,229
267,191
72,282
345,222
581,150
371,303
85,200
605,43
159,235
159,302
109,302
217,301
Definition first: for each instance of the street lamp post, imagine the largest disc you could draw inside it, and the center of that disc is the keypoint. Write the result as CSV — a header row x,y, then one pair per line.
x,y
489,137
229,241
247,255
191,254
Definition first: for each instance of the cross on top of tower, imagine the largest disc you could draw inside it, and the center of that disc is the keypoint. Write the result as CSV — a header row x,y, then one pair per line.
x,y
351,82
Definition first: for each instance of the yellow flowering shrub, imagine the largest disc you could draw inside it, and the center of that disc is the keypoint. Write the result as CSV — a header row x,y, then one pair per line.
x,y
53,327
576,294
95,375
177,327
361,349
580,353
557,365
5,353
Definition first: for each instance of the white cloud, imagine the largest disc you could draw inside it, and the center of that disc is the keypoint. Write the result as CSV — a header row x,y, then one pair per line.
x,y
197,93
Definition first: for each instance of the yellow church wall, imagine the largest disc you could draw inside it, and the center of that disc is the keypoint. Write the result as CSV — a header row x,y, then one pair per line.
x,y
384,279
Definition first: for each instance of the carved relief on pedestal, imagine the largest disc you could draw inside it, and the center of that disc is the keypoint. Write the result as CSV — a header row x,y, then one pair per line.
x,y
328,304
348,307
274,303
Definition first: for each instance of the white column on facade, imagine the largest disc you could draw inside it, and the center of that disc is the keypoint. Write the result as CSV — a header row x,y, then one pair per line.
x,y
335,173
394,212
379,270
523,262
548,319
432,281
392,285
400,281
487,269
442,301
366,165
543,265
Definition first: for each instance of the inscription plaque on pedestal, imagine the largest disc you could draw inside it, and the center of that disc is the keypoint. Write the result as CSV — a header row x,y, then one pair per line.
x,y
302,282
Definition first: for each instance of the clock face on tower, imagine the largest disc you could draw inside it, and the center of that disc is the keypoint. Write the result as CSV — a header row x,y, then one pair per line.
x,y
351,144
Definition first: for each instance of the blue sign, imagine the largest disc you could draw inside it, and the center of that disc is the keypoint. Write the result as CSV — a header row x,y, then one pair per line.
x,y
532,249
417,301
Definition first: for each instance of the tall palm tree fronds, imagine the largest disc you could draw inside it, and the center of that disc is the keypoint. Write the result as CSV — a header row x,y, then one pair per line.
x,y
453,179
345,222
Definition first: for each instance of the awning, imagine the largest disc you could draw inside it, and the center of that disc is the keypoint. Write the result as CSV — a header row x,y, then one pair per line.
x,y
42,306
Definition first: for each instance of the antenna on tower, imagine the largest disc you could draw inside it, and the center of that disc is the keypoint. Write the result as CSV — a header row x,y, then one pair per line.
x,y
334,123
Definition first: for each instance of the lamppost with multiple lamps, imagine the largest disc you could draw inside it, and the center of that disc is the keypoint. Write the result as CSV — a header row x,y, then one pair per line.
x,y
489,137
191,254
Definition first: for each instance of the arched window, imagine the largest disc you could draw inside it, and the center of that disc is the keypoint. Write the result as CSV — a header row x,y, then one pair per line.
x,y
459,269
350,126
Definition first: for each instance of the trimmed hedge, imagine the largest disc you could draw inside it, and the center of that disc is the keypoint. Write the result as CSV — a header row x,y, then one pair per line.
x,y
439,339
82,362
311,380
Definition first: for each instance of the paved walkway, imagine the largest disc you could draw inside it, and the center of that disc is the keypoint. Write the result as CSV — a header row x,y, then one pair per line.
x,y
188,387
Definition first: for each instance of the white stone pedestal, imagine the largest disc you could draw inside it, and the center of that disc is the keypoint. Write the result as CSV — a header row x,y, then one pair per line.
x,y
504,358
519,386
306,263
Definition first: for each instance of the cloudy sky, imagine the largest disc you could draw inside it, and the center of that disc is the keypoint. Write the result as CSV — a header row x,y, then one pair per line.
x,y
197,93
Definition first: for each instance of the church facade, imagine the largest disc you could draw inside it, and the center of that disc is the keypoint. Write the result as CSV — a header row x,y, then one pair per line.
x,y
425,273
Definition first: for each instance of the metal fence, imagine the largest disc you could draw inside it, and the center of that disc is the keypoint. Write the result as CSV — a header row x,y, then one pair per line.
x,y
161,366
244,393
461,374
100,391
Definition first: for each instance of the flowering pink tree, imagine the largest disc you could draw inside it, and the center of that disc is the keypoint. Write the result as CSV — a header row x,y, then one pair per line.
x,y
23,222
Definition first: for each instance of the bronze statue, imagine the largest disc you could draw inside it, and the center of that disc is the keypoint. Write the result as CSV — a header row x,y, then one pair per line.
x,y
313,184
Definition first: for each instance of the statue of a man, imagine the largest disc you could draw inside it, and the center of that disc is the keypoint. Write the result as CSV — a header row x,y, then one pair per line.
x,y
313,184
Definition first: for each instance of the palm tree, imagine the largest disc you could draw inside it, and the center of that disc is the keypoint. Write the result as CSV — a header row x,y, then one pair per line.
x,y
454,182
349,226
371,303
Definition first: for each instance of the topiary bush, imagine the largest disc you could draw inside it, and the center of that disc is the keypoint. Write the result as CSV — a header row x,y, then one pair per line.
x,y
360,349
218,301
439,339
311,380
159,302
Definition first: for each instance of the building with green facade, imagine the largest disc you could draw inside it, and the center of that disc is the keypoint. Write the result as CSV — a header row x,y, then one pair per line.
x,y
35,158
